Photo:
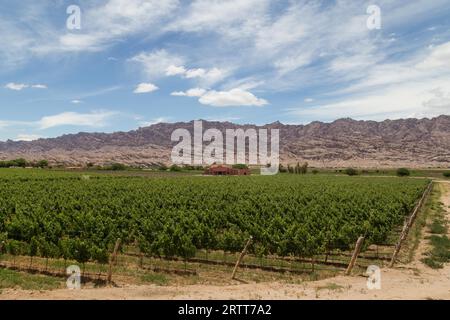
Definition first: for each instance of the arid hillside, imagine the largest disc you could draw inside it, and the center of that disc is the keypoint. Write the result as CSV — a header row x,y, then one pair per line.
x,y
344,142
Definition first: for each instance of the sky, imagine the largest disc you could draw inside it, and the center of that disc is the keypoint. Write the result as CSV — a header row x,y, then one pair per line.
x,y
117,65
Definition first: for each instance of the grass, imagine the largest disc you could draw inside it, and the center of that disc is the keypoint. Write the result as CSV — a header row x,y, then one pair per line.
x,y
15,279
331,286
440,253
440,243
155,278
415,235
437,227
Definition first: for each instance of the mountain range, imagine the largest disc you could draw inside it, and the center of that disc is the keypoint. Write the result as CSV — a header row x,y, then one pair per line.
x,y
342,143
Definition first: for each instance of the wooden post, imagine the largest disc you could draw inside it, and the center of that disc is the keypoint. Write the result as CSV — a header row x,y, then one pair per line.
x,y
112,258
241,256
408,224
358,246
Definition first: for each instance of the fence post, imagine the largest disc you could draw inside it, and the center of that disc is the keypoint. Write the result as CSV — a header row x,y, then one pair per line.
x,y
408,225
112,258
358,246
241,256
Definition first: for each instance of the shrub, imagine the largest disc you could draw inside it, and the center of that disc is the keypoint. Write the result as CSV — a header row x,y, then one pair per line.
x,y
42,164
446,174
315,171
351,172
118,167
403,172
13,163
162,167
175,168
240,166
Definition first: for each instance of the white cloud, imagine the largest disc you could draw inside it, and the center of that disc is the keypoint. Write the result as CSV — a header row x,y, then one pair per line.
x,y
159,63
16,86
76,101
39,86
308,100
231,17
154,121
208,77
195,73
403,100
437,104
93,119
223,118
28,137
438,58
155,64
234,97
104,25
175,70
21,86
145,88
99,92
194,92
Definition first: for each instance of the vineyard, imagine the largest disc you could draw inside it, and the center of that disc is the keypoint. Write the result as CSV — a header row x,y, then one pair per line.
x,y
72,216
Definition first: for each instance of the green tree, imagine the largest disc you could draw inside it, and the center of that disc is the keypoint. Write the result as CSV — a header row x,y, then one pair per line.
x,y
42,164
403,172
351,172
118,167
175,168
304,168
20,163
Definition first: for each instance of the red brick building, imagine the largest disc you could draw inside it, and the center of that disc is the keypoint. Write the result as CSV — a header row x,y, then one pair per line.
x,y
222,170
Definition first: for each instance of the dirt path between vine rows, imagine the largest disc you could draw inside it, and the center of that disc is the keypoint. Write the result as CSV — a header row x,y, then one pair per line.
x,y
412,281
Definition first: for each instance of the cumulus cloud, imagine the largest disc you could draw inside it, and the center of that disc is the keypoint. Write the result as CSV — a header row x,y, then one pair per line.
x,y
175,70
234,97
145,88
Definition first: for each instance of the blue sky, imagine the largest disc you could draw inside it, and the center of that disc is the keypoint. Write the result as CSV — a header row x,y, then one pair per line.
x,y
137,62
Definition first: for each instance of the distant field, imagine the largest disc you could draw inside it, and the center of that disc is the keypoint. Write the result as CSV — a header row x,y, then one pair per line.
x,y
76,216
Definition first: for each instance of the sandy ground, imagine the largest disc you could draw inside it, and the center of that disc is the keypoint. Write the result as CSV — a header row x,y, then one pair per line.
x,y
412,281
